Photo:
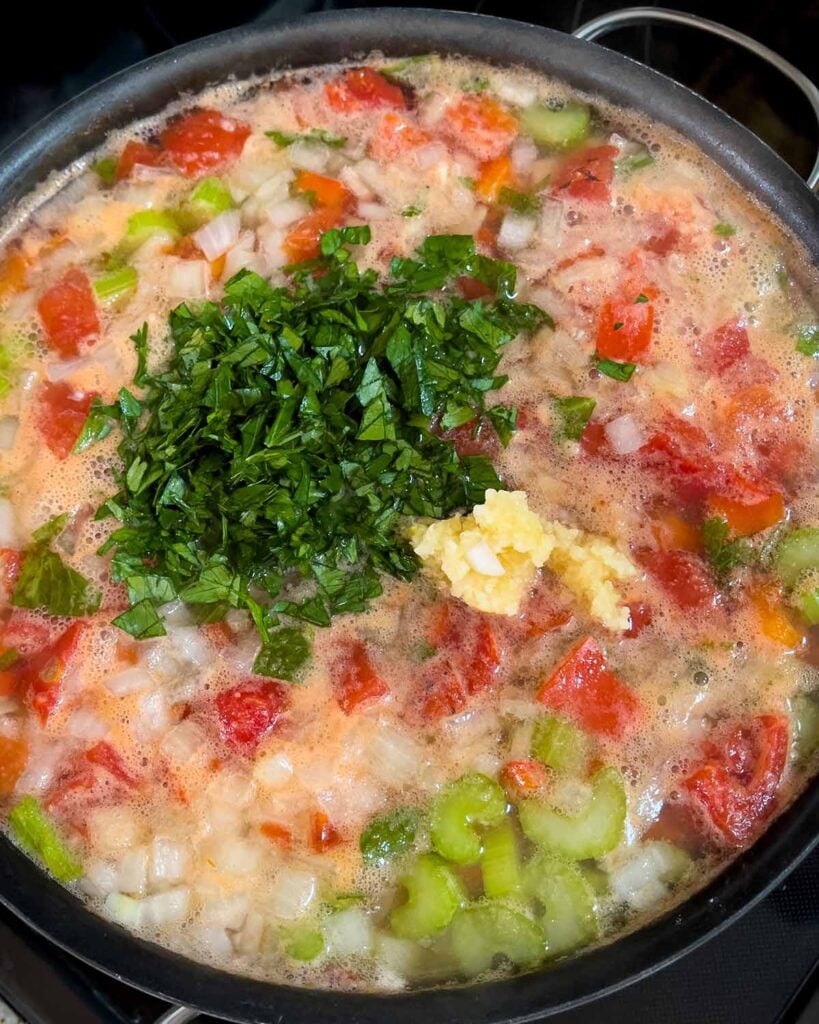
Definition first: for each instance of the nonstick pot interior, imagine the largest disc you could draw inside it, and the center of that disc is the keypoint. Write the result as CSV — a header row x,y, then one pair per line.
x,y
144,90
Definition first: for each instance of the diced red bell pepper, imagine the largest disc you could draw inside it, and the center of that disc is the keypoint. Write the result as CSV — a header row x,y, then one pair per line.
x,y
10,564
624,329
478,123
396,135
329,192
640,618
303,241
683,576
42,673
746,520
541,615
494,175
249,711
735,790
137,152
323,834
586,174
277,833
62,412
584,688
103,755
203,140
593,440
469,642
443,690
356,681
522,778
68,311
362,89
724,347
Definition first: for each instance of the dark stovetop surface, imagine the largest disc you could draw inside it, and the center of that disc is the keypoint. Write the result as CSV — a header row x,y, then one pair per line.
x,y
764,969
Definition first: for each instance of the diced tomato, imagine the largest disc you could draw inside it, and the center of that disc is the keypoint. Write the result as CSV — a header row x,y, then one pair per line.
x,y
726,346
474,439
479,123
356,682
62,412
664,242
443,690
13,760
10,564
137,152
13,272
522,778
76,781
41,674
469,642
303,240
541,615
677,823
494,175
361,89
472,288
323,834
585,689
591,252
683,576
624,329
276,833
396,135
25,631
103,755
249,711
203,140
68,311
9,678
736,789
640,618
586,174
324,191
749,519
594,441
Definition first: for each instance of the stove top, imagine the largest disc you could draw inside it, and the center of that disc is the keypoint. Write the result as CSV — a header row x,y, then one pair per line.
x,y
764,969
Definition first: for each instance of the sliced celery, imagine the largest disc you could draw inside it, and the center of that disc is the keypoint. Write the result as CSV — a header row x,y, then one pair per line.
x,y
500,861
14,350
115,283
558,128
806,724
798,552
471,800
807,603
560,745
596,830
210,198
566,900
479,934
36,834
434,893
147,223
303,943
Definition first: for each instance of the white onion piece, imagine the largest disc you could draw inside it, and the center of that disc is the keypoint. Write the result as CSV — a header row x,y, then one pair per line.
x,y
153,716
400,956
214,941
271,242
8,432
523,154
231,787
144,172
484,560
273,770
285,212
552,221
520,743
309,156
349,933
100,877
372,175
166,907
84,724
516,231
624,434
42,768
132,680
354,182
190,644
395,757
61,369
292,893
125,910
518,94
486,763
188,279
235,856
184,741
175,613
132,875
169,861
640,876
229,912
248,940
219,234
8,528
372,211
113,830
431,155
432,108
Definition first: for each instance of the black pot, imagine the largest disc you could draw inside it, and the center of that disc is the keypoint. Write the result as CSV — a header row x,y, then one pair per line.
x,y
144,90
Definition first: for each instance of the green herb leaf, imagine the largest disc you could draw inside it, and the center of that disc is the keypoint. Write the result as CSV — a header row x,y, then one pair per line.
x,y
46,582
518,201
106,169
723,554
641,298
617,371
475,84
283,655
411,211
8,658
98,424
807,340
387,837
724,230
142,621
319,135
574,413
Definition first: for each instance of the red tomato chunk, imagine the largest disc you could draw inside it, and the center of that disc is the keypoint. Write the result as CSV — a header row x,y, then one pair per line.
x,y
356,682
62,413
249,711
586,174
68,311
203,140
363,89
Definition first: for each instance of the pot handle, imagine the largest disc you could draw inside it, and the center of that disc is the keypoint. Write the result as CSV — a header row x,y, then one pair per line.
x,y
637,15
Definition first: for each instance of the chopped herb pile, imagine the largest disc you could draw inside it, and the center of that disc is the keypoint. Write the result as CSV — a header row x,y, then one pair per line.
x,y
723,554
269,464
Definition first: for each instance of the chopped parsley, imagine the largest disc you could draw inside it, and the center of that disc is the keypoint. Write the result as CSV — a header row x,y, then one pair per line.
x,y
106,170
46,582
467,182
317,135
724,555
276,456
574,413
617,371
641,298
724,230
411,211
518,201
475,84
807,340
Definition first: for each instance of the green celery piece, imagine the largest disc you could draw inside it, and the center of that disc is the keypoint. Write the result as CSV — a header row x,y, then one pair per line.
x,y
560,745
147,223
115,283
568,915
472,800
798,552
434,894
480,933
557,128
596,830
303,943
806,724
389,835
37,835
634,161
807,603
212,193
500,861
106,169
13,352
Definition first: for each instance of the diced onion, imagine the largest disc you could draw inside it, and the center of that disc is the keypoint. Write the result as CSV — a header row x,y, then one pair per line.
x,y
516,231
432,154
144,172
132,875
518,94
8,432
169,861
349,933
132,680
624,434
372,211
125,910
292,893
184,741
229,912
42,768
552,221
8,529
113,830
231,787
309,156
354,182
190,643
285,212
166,907
63,368
85,725
639,875
214,940
235,856
484,560
273,770
100,877
188,279
395,757
248,940
523,154
219,234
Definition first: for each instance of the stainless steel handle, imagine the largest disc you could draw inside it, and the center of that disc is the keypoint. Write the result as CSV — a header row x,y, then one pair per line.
x,y
178,1015
639,15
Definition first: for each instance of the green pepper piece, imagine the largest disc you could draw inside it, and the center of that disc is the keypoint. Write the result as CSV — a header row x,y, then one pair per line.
x,y
500,861
481,933
434,893
472,800
36,834
567,900
559,127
